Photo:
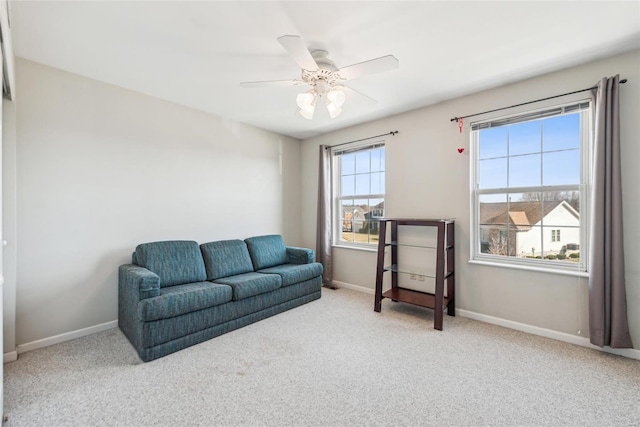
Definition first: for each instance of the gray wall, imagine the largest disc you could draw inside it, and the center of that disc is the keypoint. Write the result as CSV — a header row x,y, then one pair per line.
x,y
428,178
90,170
101,169
9,223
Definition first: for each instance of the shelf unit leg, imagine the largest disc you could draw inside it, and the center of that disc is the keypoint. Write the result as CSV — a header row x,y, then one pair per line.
x,y
451,282
377,305
438,310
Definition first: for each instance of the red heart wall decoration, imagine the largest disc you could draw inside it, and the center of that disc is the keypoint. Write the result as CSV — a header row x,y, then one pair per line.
x,y
460,150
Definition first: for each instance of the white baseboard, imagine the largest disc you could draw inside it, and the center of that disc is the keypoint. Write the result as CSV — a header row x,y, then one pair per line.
x,y
354,287
631,353
547,333
67,336
12,356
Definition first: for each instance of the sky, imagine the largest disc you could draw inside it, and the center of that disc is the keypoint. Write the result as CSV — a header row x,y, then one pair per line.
x,y
539,152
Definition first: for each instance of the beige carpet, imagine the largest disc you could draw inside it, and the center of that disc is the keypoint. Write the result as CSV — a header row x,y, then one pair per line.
x,y
332,362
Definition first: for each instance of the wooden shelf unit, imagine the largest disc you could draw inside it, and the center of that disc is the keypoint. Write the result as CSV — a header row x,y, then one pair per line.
x,y
445,258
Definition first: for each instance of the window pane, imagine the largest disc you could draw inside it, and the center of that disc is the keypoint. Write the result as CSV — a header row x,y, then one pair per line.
x,y
492,173
561,168
376,208
348,164
560,215
347,235
362,184
363,160
493,142
525,138
530,243
360,232
498,240
557,238
377,160
346,220
561,132
492,215
348,185
525,210
571,199
524,171
377,183
372,229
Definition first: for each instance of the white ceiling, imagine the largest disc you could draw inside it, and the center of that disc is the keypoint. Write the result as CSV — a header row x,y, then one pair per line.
x,y
197,53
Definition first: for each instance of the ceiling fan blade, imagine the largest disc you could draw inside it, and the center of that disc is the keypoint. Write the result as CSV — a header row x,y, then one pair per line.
x,y
271,83
296,48
372,66
351,91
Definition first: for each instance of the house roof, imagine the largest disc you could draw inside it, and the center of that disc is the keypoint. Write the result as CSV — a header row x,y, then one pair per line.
x,y
522,215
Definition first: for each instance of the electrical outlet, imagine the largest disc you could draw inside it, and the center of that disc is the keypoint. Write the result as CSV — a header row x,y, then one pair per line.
x,y
421,278
412,276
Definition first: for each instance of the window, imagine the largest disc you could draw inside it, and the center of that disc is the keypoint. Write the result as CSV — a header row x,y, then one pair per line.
x,y
529,179
358,184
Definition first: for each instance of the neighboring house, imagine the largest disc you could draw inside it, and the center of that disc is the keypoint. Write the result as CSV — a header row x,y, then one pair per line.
x,y
361,216
353,214
528,228
373,216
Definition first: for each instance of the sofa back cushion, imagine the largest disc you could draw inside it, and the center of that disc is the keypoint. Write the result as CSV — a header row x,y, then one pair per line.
x,y
267,251
176,262
226,258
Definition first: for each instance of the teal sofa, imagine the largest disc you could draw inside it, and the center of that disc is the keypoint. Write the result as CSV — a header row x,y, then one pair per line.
x,y
176,294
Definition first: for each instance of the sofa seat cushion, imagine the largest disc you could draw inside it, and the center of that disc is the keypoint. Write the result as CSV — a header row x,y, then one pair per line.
x,y
295,273
180,299
176,261
251,284
226,258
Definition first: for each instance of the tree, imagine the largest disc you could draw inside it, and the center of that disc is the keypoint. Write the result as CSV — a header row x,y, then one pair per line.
x,y
571,197
497,246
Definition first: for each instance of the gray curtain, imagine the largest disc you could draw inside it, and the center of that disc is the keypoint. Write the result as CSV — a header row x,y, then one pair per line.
x,y
608,325
324,228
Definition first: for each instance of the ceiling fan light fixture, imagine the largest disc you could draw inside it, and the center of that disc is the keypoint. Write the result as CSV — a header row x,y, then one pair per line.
x,y
325,79
305,100
307,113
307,104
333,109
337,97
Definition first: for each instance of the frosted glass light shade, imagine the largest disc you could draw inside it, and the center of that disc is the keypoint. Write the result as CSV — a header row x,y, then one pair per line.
x,y
334,111
305,100
307,112
307,103
337,97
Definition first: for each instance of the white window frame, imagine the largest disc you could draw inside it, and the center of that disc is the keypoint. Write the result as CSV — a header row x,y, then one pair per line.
x,y
586,129
336,183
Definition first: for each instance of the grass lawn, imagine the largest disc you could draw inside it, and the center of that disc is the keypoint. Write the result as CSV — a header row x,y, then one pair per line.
x,y
359,237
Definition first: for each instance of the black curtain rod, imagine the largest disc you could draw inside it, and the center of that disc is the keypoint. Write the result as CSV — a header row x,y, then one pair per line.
x,y
393,132
455,119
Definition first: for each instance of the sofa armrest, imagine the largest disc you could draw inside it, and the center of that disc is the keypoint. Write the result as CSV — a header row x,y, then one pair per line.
x,y
138,282
134,284
300,255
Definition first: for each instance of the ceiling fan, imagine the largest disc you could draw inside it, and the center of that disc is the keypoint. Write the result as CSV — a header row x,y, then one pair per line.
x,y
325,79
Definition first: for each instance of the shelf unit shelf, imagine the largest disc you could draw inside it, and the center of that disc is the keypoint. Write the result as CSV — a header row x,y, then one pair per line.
x,y
444,259
423,299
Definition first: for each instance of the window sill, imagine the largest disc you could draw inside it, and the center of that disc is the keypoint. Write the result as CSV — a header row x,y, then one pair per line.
x,y
357,248
531,268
